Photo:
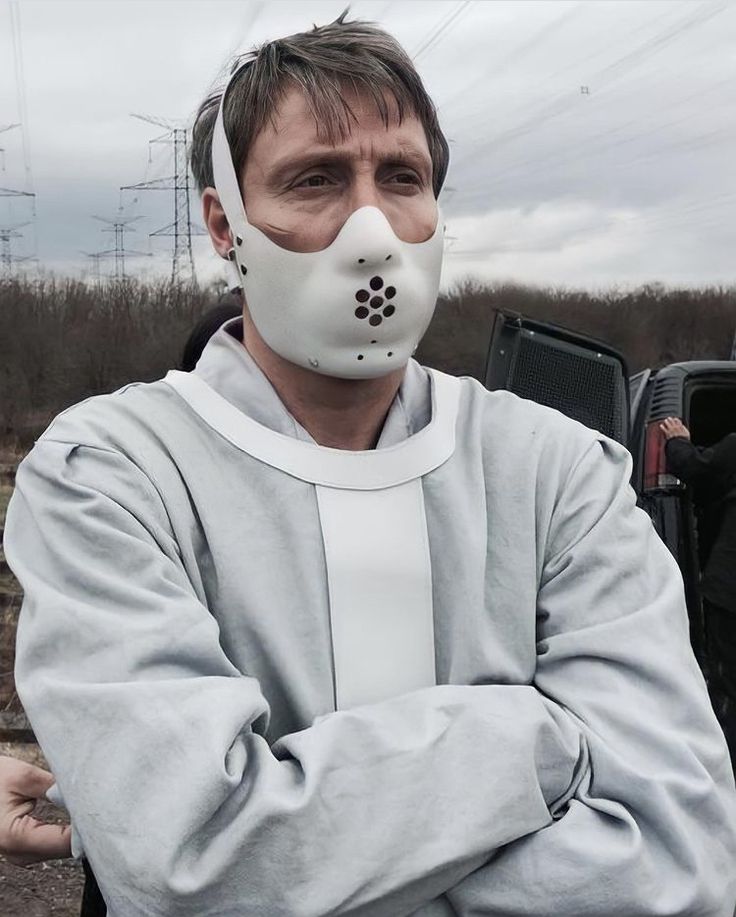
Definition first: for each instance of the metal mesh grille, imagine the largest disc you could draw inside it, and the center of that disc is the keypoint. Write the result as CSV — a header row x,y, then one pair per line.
x,y
582,385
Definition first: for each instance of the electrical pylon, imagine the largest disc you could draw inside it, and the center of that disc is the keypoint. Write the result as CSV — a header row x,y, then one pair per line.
x,y
120,226
95,258
7,259
182,229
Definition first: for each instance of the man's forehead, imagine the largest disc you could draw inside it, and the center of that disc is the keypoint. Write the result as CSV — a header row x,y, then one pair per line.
x,y
294,125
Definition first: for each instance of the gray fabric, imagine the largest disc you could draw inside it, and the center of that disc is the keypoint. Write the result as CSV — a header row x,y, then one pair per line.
x,y
229,369
174,659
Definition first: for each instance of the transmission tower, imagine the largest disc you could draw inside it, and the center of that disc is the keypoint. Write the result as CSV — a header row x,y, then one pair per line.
x,y
182,229
95,258
11,192
7,259
120,226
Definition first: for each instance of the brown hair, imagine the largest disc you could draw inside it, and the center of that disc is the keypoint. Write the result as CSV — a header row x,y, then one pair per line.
x,y
322,62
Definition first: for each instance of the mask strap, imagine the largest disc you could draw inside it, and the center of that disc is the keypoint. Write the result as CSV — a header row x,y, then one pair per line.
x,y
226,185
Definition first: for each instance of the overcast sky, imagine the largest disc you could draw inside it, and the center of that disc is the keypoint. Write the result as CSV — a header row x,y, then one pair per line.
x,y
593,143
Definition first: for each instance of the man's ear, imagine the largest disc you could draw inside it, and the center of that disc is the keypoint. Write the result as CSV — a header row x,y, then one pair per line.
x,y
216,222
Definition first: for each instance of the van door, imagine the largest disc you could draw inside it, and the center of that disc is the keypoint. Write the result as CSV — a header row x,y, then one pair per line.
x,y
577,375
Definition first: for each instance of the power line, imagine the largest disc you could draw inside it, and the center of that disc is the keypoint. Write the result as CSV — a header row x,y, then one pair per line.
x,y
8,127
607,75
591,146
500,64
435,35
21,92
253,10
20,87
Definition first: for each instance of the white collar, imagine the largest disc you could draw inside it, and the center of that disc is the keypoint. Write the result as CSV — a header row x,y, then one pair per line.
x,y
232,396
228,368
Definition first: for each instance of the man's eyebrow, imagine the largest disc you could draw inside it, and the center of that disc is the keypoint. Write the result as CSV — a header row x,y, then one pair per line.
x,y
411,155
405,154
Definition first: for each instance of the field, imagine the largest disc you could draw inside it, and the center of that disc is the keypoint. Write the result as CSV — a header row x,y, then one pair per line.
x,y
61,341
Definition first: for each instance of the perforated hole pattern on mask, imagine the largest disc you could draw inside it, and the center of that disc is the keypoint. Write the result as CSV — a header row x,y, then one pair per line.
x,y
362,295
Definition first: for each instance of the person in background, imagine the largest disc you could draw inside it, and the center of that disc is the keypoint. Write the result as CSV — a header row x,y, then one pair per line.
x,y
24,839
711,471
230,305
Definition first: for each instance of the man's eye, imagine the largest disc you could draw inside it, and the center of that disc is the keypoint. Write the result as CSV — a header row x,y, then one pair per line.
x,y
313,181
405,178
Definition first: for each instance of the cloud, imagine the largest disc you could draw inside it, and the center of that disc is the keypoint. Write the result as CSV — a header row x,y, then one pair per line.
x,y
630,179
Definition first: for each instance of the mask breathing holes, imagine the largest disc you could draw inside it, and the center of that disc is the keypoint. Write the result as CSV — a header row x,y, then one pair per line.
x,y
376,302
361,260
360,356
388,257
243,270
374,342
238,240
390,353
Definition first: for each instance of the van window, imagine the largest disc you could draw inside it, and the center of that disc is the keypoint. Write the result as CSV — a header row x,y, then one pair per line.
x,y
711,413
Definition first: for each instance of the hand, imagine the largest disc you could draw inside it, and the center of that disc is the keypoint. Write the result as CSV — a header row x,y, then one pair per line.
x,y
24,839
673,426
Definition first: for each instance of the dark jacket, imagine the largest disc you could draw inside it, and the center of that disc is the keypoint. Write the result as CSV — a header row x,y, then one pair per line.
x,y
93,904
712,473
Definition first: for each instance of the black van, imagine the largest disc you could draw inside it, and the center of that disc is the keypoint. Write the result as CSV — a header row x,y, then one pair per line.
x,y
589,381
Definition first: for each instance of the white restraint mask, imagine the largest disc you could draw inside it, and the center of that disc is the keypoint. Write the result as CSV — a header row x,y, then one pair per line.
x,y
355,310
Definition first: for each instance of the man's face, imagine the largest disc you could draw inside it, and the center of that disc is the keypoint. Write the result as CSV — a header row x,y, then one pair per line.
x,y
299,190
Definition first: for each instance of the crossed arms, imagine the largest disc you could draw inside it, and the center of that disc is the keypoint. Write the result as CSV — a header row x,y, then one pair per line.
x,y
602,788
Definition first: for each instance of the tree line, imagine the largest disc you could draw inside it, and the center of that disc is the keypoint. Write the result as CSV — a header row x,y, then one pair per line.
x,y
62,340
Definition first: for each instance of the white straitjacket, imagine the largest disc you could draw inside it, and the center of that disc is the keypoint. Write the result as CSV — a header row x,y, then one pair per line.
x,y
374,530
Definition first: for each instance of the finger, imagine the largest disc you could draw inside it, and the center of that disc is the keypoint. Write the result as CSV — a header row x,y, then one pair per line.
x,y
31,841
28,780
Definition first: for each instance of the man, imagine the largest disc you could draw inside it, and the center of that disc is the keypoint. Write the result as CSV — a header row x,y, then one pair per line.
x,y
313,630
712,472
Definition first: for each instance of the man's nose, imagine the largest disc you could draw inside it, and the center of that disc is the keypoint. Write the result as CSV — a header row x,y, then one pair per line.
x,y
371,240
378,243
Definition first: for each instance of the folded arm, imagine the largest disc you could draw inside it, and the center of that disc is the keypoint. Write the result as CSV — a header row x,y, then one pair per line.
x,y
651,829
156,738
